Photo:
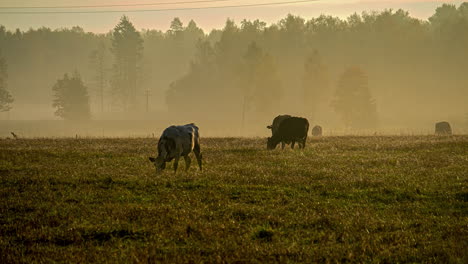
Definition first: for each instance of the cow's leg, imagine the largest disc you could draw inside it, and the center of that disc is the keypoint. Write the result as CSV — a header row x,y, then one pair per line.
x,y
176,163
198,155
187,162
304,143
299,144
282,145
292,144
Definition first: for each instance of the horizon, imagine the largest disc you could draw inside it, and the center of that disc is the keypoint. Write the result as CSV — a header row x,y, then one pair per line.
x,y
206,19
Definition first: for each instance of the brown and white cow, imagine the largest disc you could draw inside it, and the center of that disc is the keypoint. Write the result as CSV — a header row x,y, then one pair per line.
x,y
176,142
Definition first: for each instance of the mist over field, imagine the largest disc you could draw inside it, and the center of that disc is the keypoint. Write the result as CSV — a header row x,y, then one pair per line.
x,y
375,72
91,170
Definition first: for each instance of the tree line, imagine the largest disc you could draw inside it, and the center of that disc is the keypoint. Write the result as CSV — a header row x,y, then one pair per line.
x,y
367,67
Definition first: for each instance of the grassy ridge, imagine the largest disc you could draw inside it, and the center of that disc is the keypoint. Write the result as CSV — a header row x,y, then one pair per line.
x,y
366,199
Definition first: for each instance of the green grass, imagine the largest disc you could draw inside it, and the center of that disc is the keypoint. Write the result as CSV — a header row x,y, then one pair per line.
x,y
358,199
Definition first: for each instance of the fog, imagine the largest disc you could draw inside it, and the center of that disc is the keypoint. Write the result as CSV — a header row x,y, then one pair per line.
x,y
371,73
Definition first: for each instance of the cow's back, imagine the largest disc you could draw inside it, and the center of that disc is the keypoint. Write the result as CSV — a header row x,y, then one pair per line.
x,y
293,128
178,140
277,121
443,128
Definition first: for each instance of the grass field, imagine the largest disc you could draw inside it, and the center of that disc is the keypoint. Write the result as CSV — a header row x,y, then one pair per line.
x,y
357,199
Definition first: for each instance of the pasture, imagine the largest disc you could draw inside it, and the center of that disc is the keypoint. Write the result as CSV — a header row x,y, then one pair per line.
x,y
375,199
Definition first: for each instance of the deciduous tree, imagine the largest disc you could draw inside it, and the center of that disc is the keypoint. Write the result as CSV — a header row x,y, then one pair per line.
x,y
71,98
5,97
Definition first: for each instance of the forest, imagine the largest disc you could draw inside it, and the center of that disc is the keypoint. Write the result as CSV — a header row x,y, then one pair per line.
x,y
375,70
86,129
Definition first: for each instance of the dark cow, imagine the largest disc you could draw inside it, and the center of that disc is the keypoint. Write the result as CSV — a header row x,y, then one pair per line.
x,y
317,131
176,142
290,130
443,128
275,124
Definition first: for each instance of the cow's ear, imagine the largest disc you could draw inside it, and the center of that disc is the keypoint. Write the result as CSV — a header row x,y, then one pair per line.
x,y
269,127
152,159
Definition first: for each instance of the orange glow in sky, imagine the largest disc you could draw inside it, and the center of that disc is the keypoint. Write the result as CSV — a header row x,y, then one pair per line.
x,y
205,18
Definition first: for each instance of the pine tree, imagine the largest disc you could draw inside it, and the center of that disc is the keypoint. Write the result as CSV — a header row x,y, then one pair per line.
x,y
127,47
353,100
176,26
5,97
71,98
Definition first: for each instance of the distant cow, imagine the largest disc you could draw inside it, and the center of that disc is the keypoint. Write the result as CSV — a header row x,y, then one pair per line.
x,y
317,131
290,130
176,142
443,128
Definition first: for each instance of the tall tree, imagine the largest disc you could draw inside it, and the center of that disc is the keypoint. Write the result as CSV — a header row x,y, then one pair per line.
x,y
5,97
71,98
192,35
127,47
252,57
353,100
185,94
262,84
176,25
268,87
98,63
315,83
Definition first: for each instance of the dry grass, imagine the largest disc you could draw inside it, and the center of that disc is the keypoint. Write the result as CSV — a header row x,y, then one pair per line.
x,y
358,199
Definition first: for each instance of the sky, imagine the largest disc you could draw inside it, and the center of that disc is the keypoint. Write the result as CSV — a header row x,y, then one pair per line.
x,y
207,19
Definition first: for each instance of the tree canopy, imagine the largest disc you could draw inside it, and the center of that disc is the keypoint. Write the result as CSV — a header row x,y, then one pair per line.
x,y
127,46
5,97
71,98
353,101
403,57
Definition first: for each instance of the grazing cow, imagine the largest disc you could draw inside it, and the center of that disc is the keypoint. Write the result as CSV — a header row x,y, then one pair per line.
x,y
290,130
443,128
317,131
275,124
176,142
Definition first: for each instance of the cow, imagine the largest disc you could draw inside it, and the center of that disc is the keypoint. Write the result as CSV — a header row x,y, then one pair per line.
x,y
176,142
290,130
275,124
317,131
443,128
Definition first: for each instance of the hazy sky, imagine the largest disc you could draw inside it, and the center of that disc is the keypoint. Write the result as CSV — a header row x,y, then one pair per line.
x,y
205,18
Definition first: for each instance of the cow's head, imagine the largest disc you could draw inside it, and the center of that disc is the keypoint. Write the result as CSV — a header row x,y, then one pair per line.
x,y
159,163
270,143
